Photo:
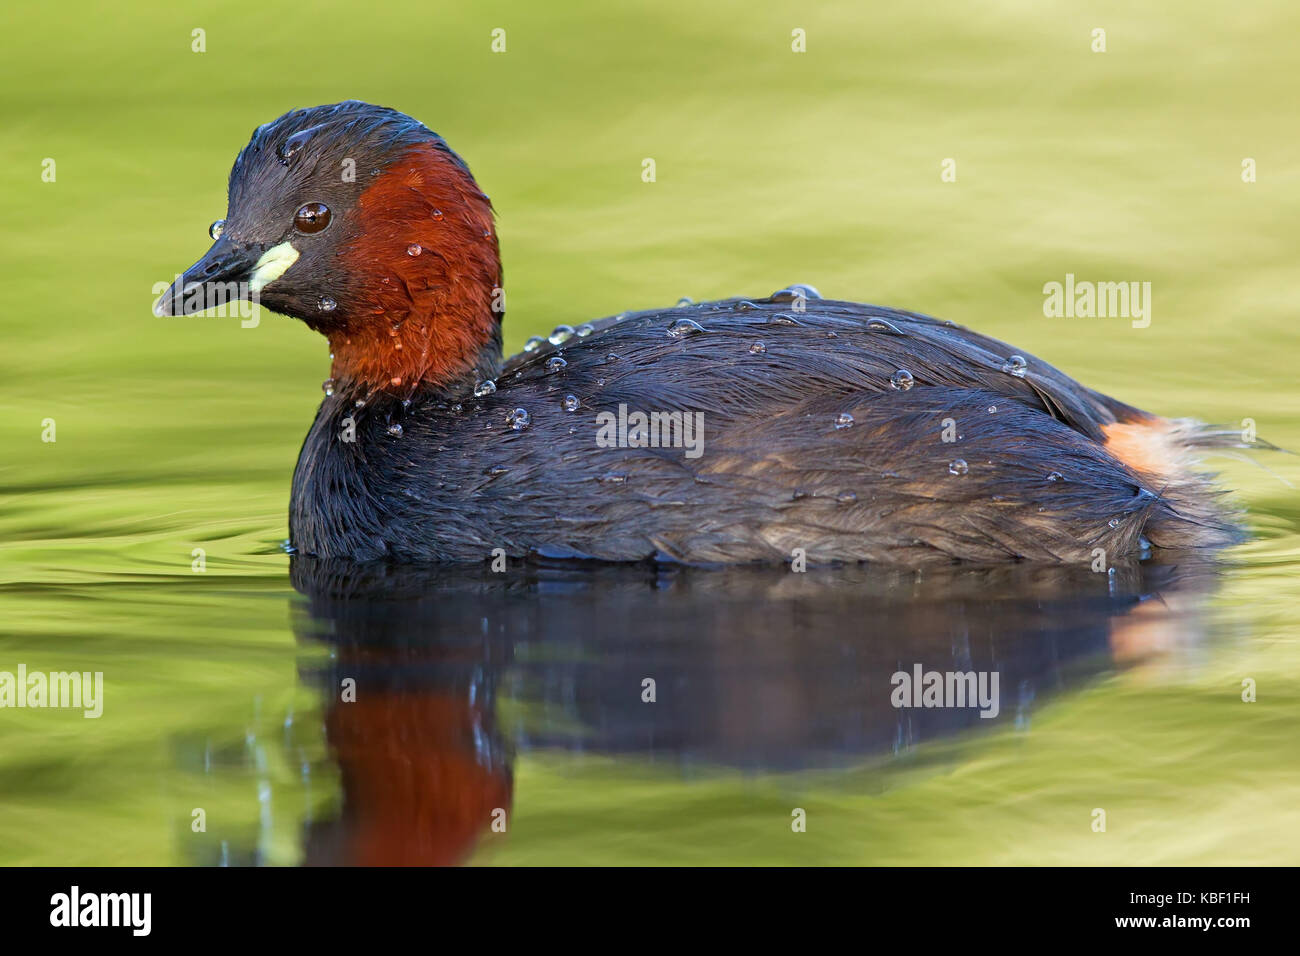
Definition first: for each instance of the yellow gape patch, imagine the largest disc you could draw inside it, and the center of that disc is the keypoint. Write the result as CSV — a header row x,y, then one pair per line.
x,y
274,263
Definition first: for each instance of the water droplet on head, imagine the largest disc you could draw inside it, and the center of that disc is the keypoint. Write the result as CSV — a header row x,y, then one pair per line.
x,y
744,305
685,300
327,386
555,363
992,409
493,471
486,387
571,403
843,420
902,380
758,348
584,330
878,324
958,466
395,380
395,430
215,230
680,328
560,335
414,249
1113,523
519,419
782,318
533,344
612,478
436,214
1055,476
846,497
327,303
1015,365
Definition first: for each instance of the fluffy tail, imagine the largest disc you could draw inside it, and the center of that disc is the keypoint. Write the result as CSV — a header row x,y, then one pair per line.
x,y
1192,512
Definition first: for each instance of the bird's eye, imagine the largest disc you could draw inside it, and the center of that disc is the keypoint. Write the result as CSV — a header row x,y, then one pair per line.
x,y
313,217
216,229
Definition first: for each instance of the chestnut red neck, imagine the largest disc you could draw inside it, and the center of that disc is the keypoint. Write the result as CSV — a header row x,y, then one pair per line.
x,y
424,301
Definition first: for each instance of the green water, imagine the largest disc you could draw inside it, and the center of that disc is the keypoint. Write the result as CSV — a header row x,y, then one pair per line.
x,y
771,167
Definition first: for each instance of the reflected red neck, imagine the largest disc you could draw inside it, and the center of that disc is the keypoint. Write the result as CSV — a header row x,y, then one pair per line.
x,y
426,306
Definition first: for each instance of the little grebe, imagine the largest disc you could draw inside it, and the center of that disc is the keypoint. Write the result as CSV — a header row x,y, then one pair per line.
x,y
787,427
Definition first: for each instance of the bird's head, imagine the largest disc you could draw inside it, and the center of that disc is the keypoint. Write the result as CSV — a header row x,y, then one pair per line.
x,y
361,222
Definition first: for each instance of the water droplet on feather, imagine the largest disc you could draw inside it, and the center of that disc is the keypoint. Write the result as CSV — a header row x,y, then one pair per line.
x,y
1015,365
680,328
902,380
878,324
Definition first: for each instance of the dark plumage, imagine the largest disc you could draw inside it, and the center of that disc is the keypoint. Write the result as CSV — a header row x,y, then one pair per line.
x,y
832,431
776,473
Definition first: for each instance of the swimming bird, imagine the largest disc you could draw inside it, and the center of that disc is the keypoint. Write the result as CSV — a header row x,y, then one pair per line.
x,y
786,427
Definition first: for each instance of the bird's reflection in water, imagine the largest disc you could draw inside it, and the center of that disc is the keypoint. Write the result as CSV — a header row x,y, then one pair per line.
x,y
753,668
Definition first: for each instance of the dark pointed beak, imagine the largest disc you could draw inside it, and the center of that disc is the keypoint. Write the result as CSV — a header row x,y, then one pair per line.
x,y
221,276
